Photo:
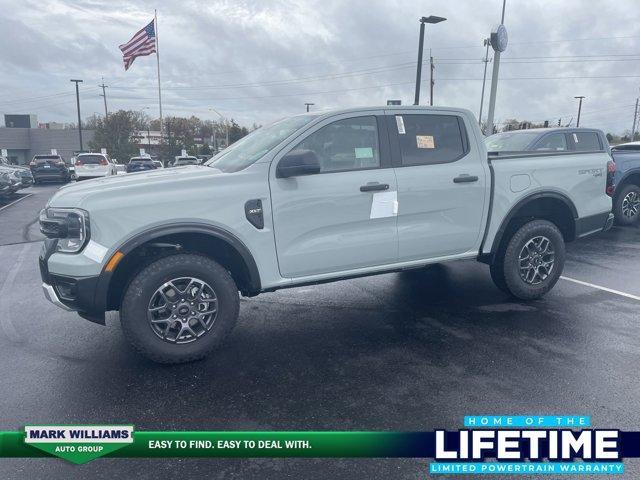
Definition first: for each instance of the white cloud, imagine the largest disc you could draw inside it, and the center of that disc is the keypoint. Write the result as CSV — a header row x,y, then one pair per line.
x,y
213,53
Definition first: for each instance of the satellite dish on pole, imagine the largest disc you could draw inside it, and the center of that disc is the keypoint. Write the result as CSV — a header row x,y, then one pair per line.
x,y
499,38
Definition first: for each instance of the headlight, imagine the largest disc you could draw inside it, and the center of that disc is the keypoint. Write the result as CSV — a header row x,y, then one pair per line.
x,y
69,225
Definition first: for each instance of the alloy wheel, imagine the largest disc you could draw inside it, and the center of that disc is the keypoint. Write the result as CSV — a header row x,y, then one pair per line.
x,y
182,310
536,260
631,204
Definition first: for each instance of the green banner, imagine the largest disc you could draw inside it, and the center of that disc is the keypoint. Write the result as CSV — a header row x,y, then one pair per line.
x,y
98,441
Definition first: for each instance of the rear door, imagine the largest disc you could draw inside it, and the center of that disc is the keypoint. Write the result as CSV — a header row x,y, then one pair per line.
x,y
336,220
442,184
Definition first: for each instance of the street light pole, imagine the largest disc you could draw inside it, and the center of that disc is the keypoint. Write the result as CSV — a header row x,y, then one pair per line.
x,y
78,105
487,42
308,105
226,125
430,19
580,97
635,117
498,41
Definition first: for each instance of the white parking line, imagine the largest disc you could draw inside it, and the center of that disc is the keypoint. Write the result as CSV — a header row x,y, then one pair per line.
x,y
16,201
604,289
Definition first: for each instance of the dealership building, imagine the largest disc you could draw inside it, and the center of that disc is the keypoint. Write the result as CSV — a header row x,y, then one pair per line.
x,y
22,138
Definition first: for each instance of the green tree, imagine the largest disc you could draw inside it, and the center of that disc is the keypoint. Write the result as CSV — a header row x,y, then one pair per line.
x,y
205,149
117,133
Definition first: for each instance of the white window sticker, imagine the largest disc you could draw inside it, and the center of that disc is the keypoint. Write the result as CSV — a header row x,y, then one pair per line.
x,y
384,204
364,152
425,141
400,123
575,138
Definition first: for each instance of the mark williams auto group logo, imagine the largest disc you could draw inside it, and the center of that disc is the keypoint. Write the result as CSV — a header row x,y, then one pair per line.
x,y
79,444
527,445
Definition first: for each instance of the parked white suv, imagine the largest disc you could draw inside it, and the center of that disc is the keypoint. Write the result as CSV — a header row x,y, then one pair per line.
x,y
94,165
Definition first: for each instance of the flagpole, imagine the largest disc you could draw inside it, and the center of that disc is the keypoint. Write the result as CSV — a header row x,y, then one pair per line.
x,y
155,16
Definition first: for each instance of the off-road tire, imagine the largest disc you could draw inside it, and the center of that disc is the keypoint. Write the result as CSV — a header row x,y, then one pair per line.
x,y
513,281
133,312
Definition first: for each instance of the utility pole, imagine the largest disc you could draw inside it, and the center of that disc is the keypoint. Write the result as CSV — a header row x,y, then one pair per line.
x,y
430,19
487,42
308,105
499,40
104,96
78,105
580,97
635,118
431,81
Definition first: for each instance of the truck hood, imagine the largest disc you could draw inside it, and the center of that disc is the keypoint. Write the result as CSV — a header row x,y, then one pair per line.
x,y
77,194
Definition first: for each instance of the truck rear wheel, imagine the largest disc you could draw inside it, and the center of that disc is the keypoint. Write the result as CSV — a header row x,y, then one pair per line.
x,y
627,205
533,260
179,308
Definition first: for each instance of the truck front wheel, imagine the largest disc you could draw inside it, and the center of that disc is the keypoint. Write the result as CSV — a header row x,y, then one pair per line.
x,y
179,308
532,261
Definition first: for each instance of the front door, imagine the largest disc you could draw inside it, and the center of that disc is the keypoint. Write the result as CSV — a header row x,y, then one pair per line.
x,y
442,185
339,219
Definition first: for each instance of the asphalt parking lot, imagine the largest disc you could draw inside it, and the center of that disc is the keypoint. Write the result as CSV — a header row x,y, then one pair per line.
x,y
410,351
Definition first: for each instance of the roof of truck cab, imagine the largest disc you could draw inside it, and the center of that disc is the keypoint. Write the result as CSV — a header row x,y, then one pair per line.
x,y
550,129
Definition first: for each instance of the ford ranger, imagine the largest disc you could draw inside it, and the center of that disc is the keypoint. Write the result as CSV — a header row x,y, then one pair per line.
x,y
310,199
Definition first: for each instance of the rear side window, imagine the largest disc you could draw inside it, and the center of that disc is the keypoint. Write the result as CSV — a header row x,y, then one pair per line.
x,y
430,139
585,141
556,142
350,144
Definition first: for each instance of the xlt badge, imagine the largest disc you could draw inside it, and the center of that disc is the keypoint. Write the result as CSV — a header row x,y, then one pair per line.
x,y
253,212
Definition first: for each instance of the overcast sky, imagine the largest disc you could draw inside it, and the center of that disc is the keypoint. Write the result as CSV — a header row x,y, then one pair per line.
x,y
257,61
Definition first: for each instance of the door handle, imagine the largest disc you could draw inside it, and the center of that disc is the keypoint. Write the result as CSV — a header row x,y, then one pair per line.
x,y
372,187
465,178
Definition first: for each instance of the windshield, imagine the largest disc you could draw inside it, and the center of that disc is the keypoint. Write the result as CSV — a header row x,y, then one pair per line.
x,y
510,141
140,160
249,149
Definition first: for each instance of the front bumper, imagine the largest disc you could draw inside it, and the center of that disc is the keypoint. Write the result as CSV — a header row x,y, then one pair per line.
x,y
80,294
51,295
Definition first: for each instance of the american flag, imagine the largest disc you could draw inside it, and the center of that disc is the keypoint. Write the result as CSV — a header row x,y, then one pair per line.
x,y
143,43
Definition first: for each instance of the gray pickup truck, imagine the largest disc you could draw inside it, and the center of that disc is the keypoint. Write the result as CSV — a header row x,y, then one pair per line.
x,y
310,199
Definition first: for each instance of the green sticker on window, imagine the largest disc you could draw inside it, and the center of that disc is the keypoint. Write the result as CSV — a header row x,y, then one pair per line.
x,y
364,152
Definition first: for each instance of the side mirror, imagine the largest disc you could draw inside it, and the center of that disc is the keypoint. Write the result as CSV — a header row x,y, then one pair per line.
x,y
296,163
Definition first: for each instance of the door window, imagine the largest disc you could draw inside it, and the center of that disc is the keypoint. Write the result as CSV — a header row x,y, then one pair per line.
x,y
556,142
586,141
430,139
350,144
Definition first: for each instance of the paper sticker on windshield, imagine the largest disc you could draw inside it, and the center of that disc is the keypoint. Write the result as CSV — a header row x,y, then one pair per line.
x,y
364,152
425,141
400,123
575,138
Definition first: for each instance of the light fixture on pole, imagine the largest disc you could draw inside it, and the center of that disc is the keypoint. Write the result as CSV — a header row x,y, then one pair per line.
x,y
580,97
308,105
498,40
430,19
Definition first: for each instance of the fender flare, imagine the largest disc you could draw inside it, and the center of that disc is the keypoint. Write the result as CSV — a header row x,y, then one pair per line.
x,y
497,239
126,247
625,177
